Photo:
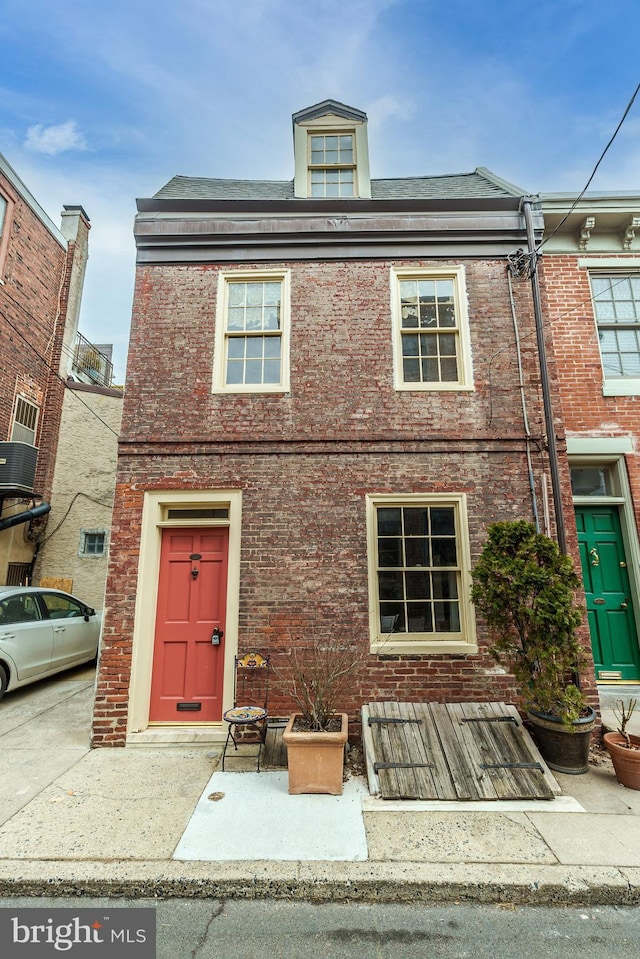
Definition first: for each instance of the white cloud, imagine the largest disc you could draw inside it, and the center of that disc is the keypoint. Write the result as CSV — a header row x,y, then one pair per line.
x,y
55,139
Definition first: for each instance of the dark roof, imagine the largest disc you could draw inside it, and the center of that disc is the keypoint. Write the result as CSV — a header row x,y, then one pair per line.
x,y
480,183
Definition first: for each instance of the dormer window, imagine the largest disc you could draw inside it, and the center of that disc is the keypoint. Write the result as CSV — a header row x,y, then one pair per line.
x,y
332,165
331,152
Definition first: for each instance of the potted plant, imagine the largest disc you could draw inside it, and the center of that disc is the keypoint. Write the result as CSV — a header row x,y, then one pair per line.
x,y
318,678
624,748
525,589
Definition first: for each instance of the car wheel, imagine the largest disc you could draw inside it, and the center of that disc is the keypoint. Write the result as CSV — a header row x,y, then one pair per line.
x,y
4,681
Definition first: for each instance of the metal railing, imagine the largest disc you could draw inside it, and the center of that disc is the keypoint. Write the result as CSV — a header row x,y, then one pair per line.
x,y
90,362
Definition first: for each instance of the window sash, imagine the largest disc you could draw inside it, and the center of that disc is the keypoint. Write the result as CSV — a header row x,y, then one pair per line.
x,y
253,339
430,566
418,568
616,303
431,339
331,164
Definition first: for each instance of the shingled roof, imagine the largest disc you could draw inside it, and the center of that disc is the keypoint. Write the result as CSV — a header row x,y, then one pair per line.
x,y
479,184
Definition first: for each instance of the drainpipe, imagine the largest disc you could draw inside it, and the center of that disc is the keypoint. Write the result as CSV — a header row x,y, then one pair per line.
x,y
25,516
527,203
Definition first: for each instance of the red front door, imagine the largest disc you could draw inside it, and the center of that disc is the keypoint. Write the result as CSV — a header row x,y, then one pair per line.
x,y
188,669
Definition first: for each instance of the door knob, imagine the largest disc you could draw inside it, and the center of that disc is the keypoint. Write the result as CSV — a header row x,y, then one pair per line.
x,y
624,604
595,560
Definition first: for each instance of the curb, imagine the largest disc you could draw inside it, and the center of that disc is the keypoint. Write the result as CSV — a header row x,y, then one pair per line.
x,y
322,882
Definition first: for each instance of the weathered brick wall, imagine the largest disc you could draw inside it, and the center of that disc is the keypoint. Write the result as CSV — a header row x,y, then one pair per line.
x,y
341,360
305,461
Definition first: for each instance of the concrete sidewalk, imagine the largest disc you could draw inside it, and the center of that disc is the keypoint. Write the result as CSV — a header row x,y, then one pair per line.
x,y
145,822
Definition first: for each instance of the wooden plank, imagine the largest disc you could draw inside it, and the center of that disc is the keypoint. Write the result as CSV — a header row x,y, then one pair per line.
x,y
529,783
490,739
388,778
440,756
425,777
369,751
443,785
488,782
464,784
531,749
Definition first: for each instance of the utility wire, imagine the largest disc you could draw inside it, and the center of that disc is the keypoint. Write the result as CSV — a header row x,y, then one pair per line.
x,y
593,172
50,368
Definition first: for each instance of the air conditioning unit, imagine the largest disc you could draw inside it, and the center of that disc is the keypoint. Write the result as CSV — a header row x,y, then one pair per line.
x,y
17,468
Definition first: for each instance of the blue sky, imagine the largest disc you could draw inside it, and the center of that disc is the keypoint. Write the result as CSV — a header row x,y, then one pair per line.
x,y
101,103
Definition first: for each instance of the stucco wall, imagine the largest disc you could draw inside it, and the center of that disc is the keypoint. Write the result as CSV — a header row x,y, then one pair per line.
x,y
83,487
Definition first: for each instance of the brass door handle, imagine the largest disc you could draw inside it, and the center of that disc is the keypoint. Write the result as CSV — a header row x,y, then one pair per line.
x,y
624,604
596,559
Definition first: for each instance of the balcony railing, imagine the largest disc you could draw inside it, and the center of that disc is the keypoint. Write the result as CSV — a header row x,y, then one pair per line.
x,y
90,363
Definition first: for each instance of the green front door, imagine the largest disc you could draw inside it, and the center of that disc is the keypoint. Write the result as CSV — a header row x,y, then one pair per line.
x,y
606,584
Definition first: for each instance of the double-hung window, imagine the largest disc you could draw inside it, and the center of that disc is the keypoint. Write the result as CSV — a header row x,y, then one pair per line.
x,y
252,333
616,303
431,334
332,165
418,574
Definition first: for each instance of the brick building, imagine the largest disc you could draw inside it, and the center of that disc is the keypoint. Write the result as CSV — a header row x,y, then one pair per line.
x,y
42,274
591,283
333,387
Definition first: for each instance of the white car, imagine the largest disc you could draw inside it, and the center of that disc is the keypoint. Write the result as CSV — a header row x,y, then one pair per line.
x,y
43,631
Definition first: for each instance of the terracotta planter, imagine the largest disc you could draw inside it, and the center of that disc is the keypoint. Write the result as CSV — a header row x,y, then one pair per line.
x,y
626,762
563,750
315,760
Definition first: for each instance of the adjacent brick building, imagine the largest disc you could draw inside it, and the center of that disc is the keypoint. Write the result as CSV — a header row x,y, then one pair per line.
x,y
42,274
333,387
590,272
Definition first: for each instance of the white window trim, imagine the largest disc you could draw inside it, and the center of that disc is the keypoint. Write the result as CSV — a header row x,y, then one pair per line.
x,y
331,124
462,643
219,358
465,370
326,167
611,385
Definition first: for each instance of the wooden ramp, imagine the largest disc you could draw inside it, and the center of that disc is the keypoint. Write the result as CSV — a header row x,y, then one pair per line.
x,y
452,751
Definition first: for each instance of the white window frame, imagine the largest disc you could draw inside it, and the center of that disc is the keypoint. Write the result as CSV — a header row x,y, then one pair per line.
x,y
225,278
614,385
25,403
461,643
465,371
332,167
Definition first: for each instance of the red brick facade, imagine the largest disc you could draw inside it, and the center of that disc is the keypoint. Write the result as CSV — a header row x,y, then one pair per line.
x,y
305,460
36,266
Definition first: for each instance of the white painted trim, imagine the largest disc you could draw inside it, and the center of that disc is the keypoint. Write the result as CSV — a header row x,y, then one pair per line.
x,y
153,523
622,262
462,643
219,351
465,367
599,445
625,511
622,387
328,124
